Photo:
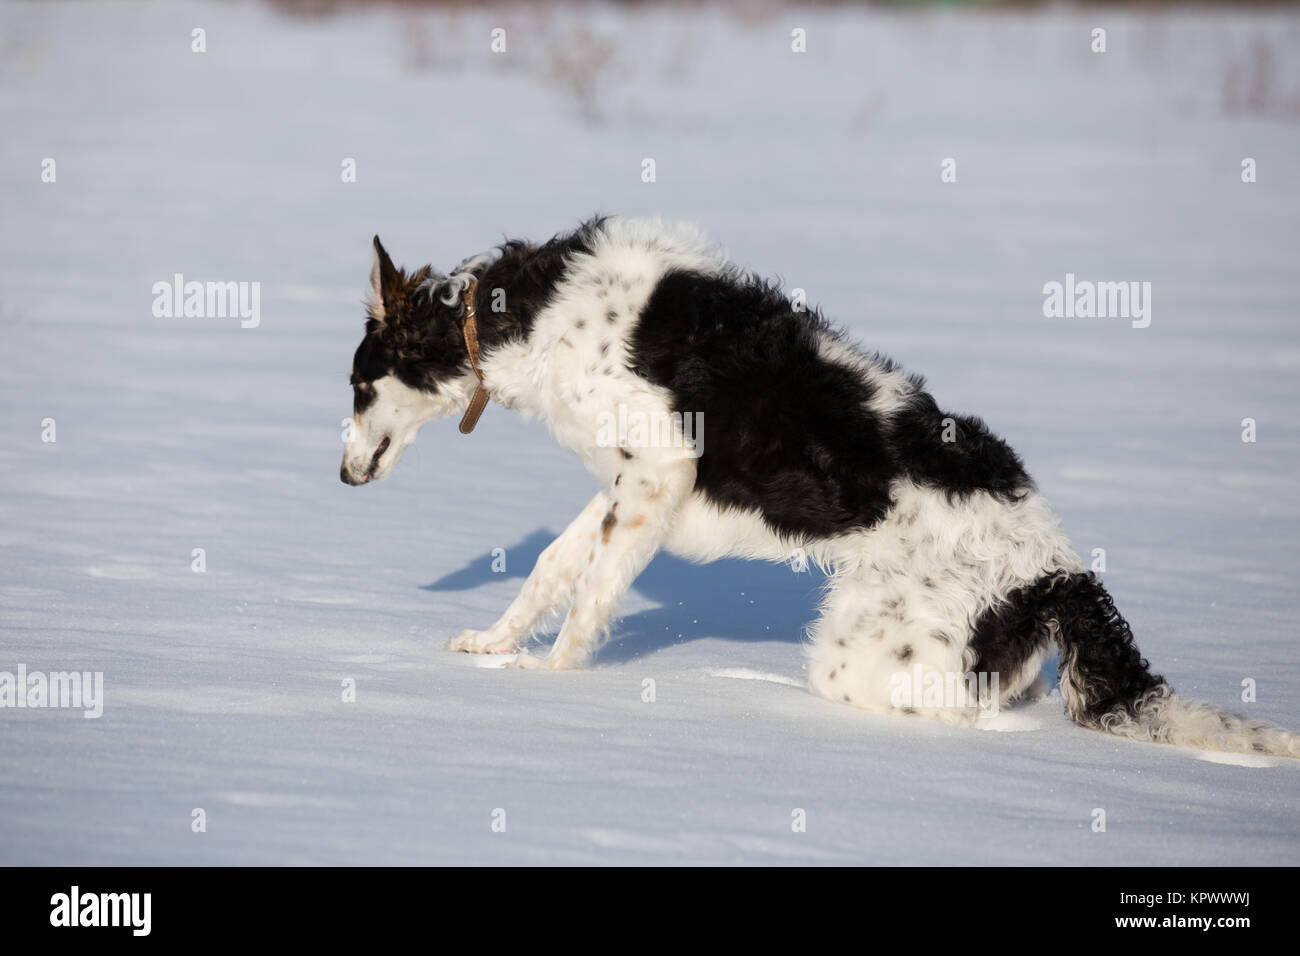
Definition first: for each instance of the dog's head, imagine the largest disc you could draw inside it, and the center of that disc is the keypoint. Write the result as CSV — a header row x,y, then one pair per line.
x,y
410,368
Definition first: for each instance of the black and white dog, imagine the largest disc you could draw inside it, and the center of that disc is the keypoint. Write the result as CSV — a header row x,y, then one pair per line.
x,y
624,337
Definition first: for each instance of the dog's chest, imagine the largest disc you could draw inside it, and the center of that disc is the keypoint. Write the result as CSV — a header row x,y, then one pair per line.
x,y
573,370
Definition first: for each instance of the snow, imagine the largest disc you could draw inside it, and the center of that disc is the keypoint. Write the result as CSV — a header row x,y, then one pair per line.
x,y
224,689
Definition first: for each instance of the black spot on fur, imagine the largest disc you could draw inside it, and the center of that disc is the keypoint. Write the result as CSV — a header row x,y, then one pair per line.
x,y
628,456
617,479
905,654
607,523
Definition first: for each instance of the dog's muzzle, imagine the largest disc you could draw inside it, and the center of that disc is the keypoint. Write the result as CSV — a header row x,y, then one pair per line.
x,y
348,478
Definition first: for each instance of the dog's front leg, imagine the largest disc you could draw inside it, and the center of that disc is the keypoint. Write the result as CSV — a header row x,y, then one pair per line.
x,y
548,584
642,507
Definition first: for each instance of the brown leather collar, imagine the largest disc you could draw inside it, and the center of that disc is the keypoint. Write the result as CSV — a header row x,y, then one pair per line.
x,y
480,398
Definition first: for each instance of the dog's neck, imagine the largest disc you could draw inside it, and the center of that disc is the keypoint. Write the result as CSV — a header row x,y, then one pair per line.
x,y
492,316
512,291
503,310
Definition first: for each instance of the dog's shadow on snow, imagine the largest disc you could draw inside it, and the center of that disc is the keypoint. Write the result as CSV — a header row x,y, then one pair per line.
x,y
728,599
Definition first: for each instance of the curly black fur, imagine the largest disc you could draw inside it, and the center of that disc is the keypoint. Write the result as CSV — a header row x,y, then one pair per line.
x,y
1008,634
789,431
1100,666
523,281
957,453
1098,656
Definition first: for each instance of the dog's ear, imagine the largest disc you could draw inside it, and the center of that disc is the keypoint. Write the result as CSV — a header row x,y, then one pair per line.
x,y
385,281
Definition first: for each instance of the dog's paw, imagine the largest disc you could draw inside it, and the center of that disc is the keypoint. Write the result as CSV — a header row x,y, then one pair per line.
x,y
483,642
528,662
531,662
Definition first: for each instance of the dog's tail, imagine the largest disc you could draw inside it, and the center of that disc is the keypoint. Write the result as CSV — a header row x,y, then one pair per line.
x,y
1107,684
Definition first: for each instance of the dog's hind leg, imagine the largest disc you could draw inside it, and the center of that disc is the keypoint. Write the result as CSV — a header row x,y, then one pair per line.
x,y
548,584
881,646
642,508
922,622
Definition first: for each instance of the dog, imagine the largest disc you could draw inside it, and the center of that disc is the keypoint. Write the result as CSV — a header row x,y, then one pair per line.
x,y
765,433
